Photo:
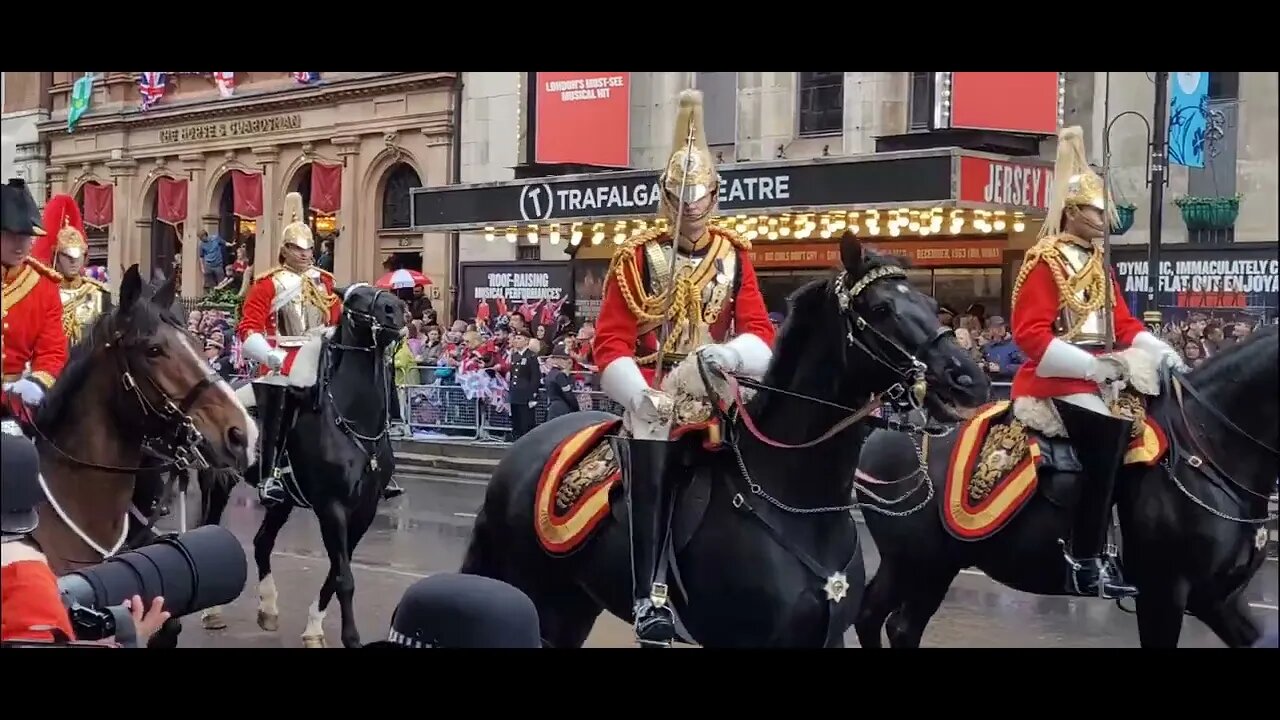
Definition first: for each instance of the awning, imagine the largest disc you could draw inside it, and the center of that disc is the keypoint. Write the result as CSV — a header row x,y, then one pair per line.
x,y
756,195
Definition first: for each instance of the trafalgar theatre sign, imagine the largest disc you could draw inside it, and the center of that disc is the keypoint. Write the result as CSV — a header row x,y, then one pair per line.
x,y
808,185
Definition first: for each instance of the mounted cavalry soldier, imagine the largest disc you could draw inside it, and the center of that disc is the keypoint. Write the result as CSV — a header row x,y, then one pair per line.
x,y
669,293
285,312
1061,301
34,344
65,249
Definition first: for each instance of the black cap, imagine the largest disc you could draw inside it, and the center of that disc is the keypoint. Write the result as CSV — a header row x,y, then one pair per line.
x,y
560,351
18,210
20,489
463,611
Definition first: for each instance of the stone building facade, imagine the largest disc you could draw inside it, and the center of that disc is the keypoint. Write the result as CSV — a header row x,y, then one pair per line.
x,y
389,131
768,115
26,104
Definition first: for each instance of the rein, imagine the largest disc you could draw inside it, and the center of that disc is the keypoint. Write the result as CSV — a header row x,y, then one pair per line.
x,y
904,396
1199,461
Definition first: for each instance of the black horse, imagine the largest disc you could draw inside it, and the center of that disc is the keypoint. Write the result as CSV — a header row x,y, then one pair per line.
x,y
763,540
1192,525
340,457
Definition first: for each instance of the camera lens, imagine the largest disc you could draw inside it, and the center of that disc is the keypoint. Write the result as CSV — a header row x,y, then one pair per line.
x,y
194,571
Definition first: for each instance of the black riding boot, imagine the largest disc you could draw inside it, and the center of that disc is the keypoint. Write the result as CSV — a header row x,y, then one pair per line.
x,y
1100,442
272,401
645,462
393,489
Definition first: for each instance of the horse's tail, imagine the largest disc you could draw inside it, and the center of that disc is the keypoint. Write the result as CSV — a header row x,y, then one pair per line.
x,y
480,558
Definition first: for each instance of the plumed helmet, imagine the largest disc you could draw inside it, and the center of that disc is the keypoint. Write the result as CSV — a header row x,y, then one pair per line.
x,y
689,167
1074,182
65,232
296,231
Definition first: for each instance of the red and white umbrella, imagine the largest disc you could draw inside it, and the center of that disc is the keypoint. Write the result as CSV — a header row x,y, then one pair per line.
x,y
397,279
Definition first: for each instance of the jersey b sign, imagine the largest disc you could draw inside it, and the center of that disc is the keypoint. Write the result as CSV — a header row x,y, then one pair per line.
x,y
995,182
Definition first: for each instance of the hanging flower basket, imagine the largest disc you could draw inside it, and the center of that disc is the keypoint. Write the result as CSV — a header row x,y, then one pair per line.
x,y
1209,213
1124,213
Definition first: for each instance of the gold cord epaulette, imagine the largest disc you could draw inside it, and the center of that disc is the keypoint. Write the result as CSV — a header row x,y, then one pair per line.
x,y
1092,279
43,269
738,241
311,293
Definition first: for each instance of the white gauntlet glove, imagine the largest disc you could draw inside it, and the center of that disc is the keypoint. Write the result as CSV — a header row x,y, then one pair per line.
x,y
722,357
29,390
257,348
1161,350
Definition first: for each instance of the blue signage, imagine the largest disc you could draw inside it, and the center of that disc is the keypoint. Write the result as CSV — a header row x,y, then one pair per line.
x,y
1188,112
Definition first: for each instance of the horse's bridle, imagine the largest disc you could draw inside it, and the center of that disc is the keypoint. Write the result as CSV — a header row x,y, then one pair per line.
x,y
179,441
375,328
907,370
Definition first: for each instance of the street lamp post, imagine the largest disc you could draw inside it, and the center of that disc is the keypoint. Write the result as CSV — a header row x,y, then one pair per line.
x,y
1159,176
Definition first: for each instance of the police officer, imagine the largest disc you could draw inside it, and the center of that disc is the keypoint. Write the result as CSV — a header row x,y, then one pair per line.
x,y
463,611
526,379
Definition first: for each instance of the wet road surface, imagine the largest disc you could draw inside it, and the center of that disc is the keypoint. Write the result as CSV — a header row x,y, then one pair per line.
x,y
425,531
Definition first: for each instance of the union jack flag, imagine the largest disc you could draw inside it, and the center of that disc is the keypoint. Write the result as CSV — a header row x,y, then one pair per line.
x,y
151,86
306,78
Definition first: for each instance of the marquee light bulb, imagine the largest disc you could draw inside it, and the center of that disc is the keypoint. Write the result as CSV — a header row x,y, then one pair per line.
x,y
488,237
533,237
999,225
575,238
511,237
619,238
597,237
1019,226
555,237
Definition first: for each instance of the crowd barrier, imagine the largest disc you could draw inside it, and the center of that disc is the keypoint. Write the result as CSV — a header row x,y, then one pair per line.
x,y
441,409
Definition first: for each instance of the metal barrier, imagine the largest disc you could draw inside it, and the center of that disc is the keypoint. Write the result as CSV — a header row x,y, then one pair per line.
x,y
441,409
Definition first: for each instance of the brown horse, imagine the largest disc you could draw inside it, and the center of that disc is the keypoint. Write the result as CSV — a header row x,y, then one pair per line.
x,y
135,389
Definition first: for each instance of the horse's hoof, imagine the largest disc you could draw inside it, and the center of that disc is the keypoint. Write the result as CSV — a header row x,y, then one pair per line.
x,y
268,622
312,642
212,620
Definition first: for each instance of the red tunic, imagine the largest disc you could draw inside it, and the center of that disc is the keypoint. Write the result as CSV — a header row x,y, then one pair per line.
x,y
33,324
30,600
256,315
617,331
1035,311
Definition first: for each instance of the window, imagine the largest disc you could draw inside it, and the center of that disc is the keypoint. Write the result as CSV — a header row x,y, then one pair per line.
x,y
921,102
821,103
395,196
1224,85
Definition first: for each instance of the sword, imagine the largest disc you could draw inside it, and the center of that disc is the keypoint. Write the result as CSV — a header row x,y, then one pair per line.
x,y
664,331
1108,313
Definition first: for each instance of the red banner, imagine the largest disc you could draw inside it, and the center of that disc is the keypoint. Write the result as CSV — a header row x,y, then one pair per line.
x,y
994,182
97,206
583,118
326,188
246,194
959,252
171,200
1024,102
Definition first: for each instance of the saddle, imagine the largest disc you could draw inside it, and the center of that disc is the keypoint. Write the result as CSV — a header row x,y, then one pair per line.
x,y
1006,453
576,489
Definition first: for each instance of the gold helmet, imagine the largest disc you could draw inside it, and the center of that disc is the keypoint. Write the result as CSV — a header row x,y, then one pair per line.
x,y
1074,182
701,179
297,232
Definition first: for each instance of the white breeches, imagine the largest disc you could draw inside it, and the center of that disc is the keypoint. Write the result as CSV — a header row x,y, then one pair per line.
x,y
246,396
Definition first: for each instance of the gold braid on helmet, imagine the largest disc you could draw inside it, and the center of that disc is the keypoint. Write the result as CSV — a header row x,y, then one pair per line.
x,y
1092,279
685,313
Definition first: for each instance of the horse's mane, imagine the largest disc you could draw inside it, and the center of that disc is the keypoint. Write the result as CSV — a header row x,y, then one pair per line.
x,y
1234,360
807,311
144,318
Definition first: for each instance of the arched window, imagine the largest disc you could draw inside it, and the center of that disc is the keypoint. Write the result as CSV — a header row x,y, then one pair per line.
x,y
395,196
